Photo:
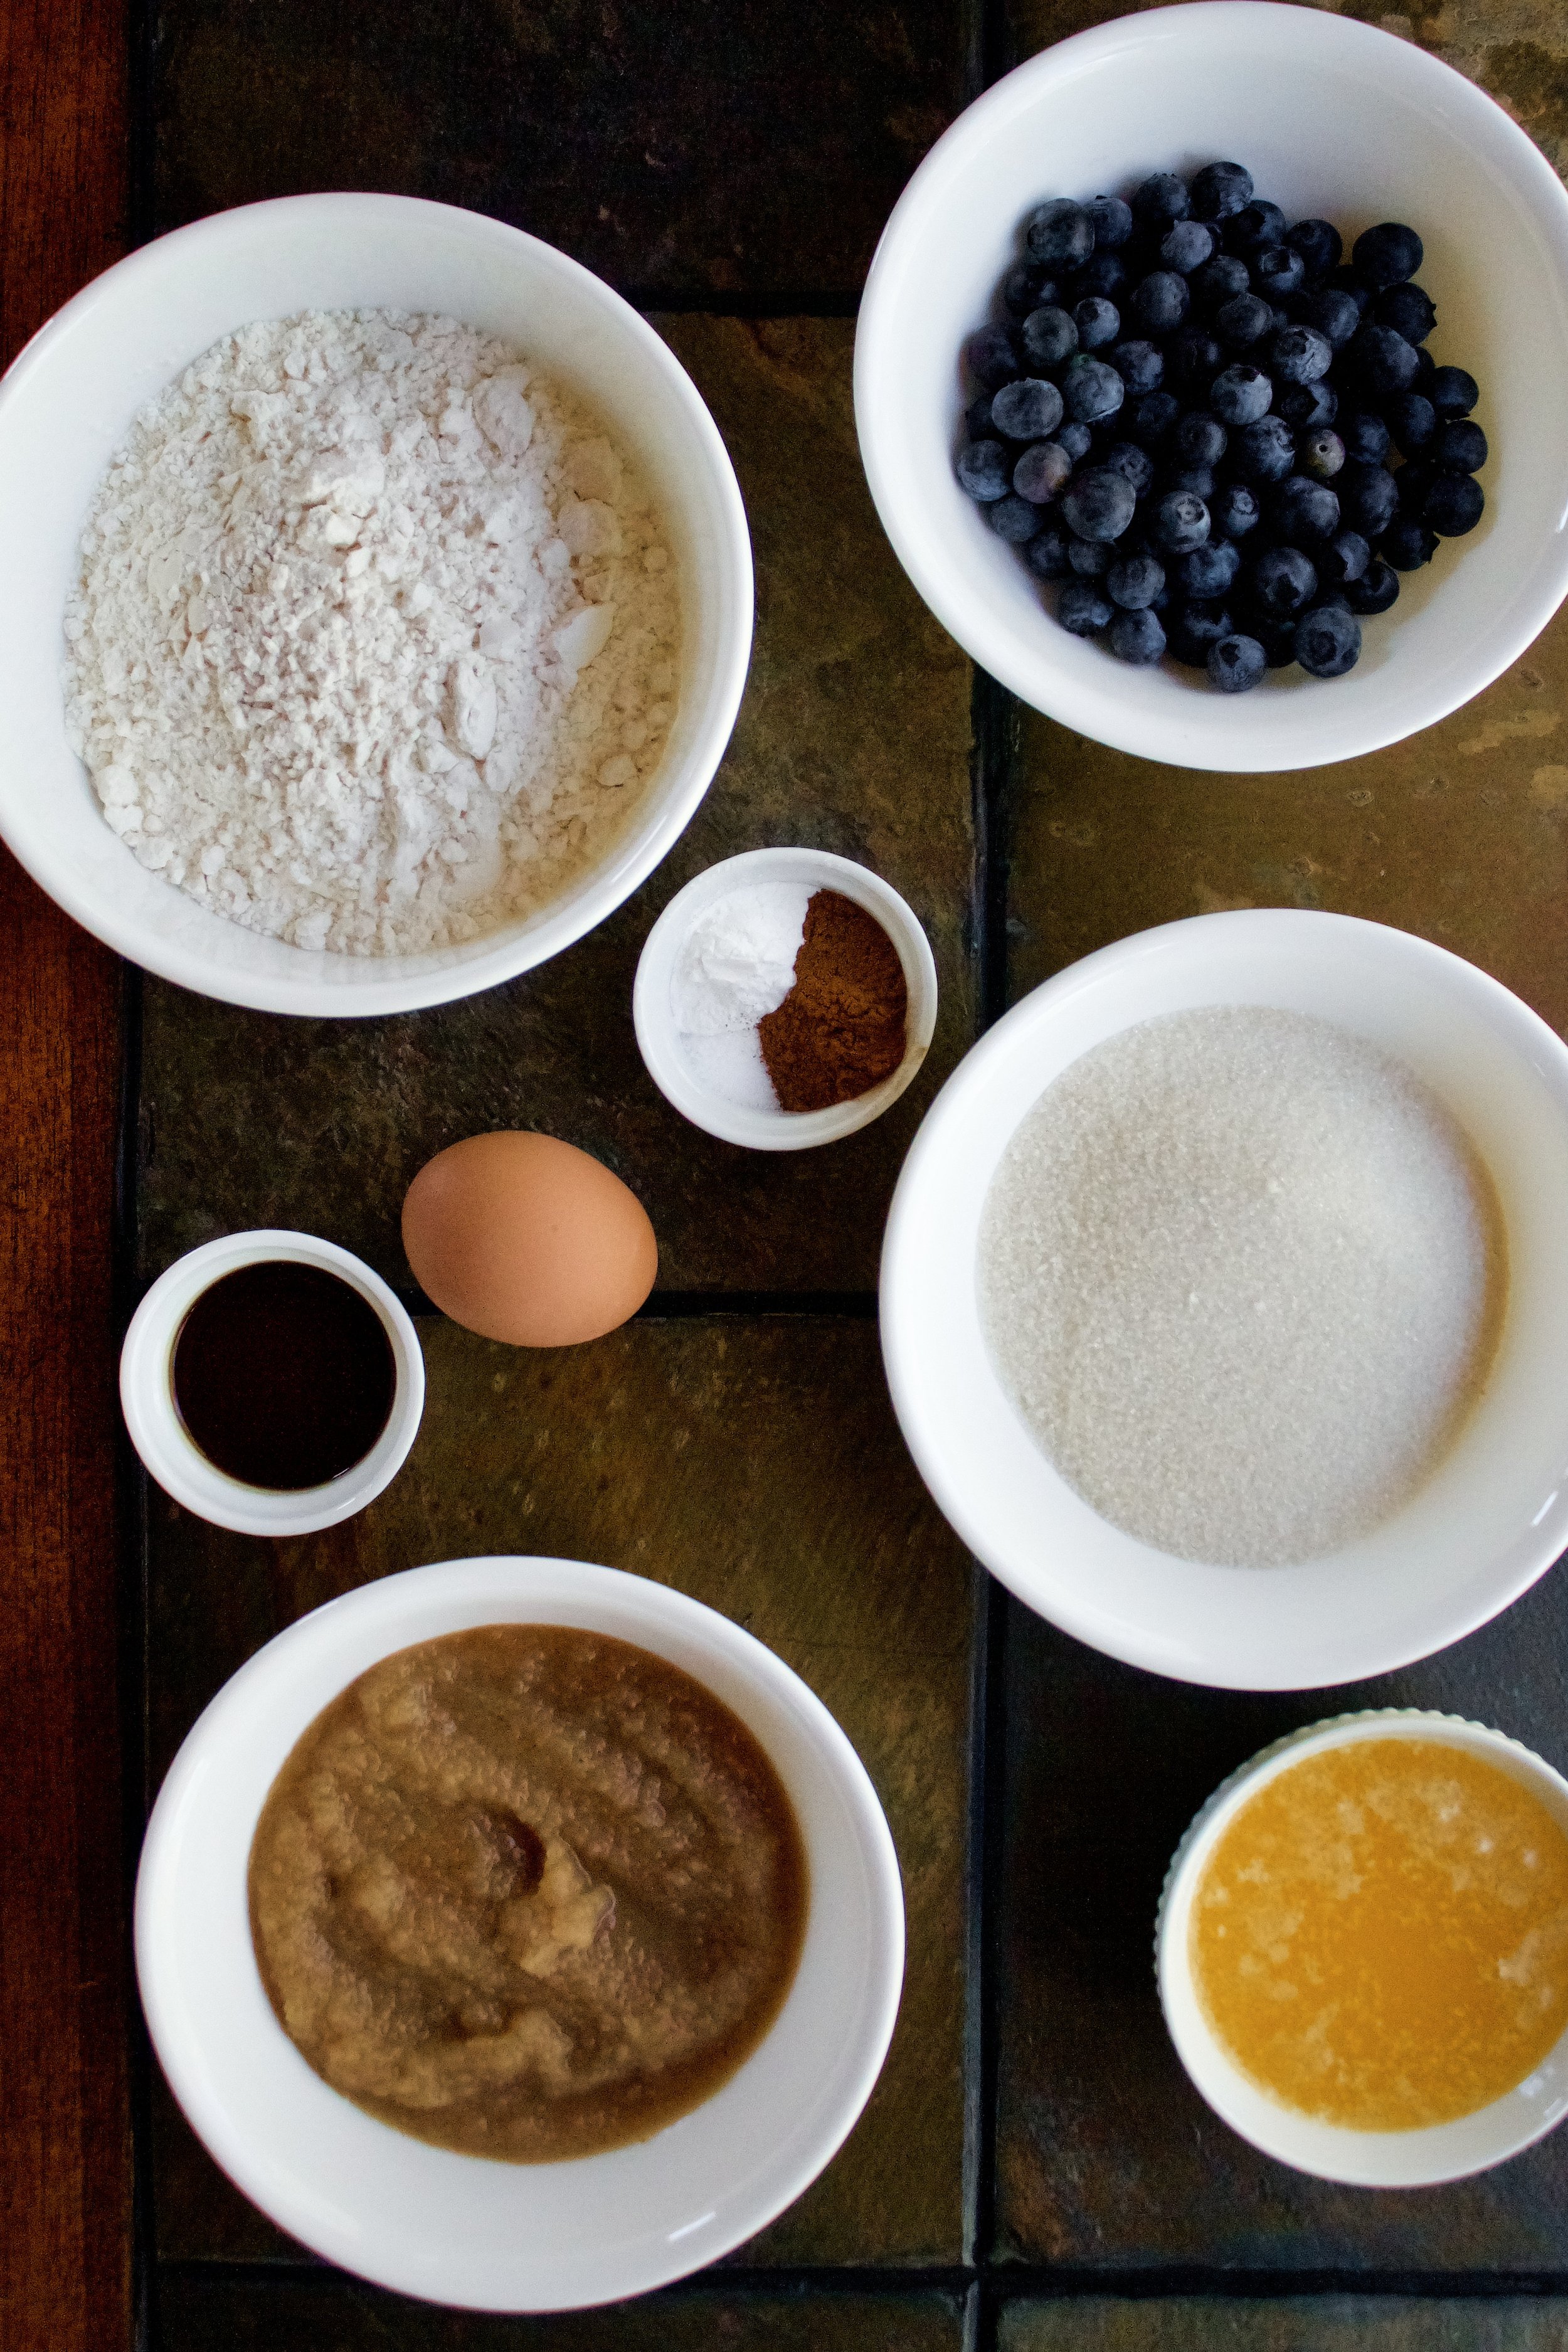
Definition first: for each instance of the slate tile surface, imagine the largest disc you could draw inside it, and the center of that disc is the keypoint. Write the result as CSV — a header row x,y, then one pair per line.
x,y
1330,2323
222,2315
1106,2154
673,150
753,1463
854,737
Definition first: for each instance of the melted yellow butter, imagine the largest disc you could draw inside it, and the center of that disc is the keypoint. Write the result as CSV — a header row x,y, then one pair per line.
x,y
1380,1938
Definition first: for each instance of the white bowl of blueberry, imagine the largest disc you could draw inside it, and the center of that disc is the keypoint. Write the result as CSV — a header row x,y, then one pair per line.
x,y
1209,384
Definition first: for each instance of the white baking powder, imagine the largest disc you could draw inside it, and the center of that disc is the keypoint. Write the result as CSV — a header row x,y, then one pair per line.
x,y
1242,1273
375,640
735,966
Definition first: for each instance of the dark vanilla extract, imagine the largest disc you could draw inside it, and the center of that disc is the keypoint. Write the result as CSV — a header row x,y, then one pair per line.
x,y
283,1375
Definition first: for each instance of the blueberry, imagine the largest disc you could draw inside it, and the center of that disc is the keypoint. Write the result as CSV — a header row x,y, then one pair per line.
x,y
1042,472
1113,222
1299,355
1453,392
1193,358
985,470
1408,543
1091,389
1160,302
1199,624
1240,395
1244,320
1376,590
1458,447
1365,436
1413,421
1303,510
1278,272
1027,410
1319,245
1197,479
1186,247
1382,360
1181,522
1327,640
1134,466
1134,581
1013,518
1083,609
1024,287
1278,639
1210,570
993,357
1237,511
977,418
1140,364
1235,665
1408,309
1090,559
1049,335
1098,322
1384,254
1425,369
1411,484
1283,580
1077,440
1046,553
1137,637
1264,452
1154,417
1335,315
1306,406
1255,228
1102,273
1219,190
1099,505
1454,504
1322,454
1345,281
1160,200
1344,559
1200,440
1368,495
1061,233
1220,281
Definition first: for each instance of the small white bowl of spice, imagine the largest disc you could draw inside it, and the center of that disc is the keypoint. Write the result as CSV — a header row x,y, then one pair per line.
x,y
785,998
1360,1949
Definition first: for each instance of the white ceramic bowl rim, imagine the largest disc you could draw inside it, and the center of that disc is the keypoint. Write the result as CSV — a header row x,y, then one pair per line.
x,y
350,250
160,1437
1493,1516
1396,2159
659,1040
1169,88
457,2229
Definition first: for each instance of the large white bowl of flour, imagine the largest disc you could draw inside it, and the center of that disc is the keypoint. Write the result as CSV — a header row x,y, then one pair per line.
x,y
1490,1512
65,408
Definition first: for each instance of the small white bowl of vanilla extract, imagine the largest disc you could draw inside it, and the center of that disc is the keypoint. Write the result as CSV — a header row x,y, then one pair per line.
x,y
1362,1950
272,1383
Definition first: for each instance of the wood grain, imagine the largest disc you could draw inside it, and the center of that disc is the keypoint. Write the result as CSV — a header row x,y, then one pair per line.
x,y
65,2199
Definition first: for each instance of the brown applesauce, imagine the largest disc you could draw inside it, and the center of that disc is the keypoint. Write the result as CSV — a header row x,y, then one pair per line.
x,y
527,1892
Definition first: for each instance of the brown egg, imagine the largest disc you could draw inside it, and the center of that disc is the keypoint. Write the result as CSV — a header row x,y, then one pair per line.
x,y
527,1239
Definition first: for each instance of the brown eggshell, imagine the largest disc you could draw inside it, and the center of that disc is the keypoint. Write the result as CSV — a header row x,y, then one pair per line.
x,y
526,1239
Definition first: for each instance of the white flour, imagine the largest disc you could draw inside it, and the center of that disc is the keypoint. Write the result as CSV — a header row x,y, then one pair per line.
x,y
1242,1273
375,640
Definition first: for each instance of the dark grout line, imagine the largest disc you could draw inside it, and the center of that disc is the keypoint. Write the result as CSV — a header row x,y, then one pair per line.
x,y
995,727
720,2278
993,1731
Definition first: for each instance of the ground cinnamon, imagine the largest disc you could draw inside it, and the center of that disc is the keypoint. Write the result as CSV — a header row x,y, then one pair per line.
x,y
841,1029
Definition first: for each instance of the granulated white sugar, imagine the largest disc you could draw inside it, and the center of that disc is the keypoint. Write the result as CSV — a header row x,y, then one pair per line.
x,y
1243,1275
375,639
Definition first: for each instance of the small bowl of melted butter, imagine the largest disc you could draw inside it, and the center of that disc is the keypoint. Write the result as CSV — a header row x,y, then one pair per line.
x,y
519,1934
1362,1950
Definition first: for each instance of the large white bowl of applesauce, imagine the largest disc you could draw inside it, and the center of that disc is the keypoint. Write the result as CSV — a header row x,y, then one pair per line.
x,y
1428,1868
466,2229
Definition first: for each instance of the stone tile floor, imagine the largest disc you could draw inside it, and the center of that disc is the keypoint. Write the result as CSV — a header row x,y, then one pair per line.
x,y
1033,2171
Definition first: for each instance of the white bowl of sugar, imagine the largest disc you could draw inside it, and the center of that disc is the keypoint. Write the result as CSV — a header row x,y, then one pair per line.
x,y
432,807
1330,1126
